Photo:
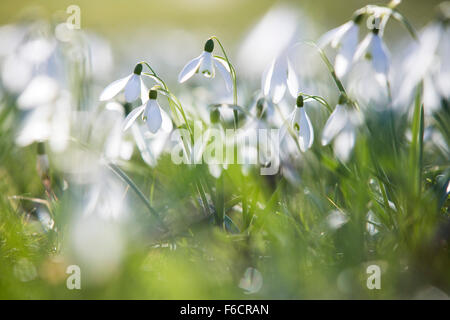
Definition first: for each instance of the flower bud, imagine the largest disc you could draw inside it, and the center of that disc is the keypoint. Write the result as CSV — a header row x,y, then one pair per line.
x,y
153,94
138,69
209,45
300,101
214,115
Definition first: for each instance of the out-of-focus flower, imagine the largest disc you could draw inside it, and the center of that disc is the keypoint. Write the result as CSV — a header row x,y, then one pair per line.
x,y
301,125
373,49
277,76
206,64
131,84
48,121
277,30
428,62
345,39
341,126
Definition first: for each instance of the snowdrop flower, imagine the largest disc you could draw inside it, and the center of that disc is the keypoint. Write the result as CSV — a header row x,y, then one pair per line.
x,y
344,38
279,75
301,125
151,113
427,61
373,49
206,64
341,126
131,84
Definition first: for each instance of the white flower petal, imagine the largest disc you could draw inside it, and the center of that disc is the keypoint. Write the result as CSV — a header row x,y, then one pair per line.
x,y
292,80
114,88
153,116
224,70
144,92
166,124
328,37
278,81
363,47
380,59
306,133
344,143
41,90
349,43
207,65
334,124
190,69
133,88
266,78
132,116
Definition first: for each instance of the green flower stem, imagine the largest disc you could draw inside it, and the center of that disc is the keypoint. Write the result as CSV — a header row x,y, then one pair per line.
x,y
173,100
319,99
233,75
332,72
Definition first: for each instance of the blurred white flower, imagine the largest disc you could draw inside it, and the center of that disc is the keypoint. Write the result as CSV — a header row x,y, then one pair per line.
x,y
274,33
279,75
341,126
48,121
41,90
427,61
252,281
302,126
205,64
345,39
373,49
131,84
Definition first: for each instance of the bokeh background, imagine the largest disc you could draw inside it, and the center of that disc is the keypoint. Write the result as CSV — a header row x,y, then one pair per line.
x,y
289,247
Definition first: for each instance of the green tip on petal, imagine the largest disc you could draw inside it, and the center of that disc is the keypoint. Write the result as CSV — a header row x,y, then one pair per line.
x,y
209,45
342,99
138,69
40,148
300,101
153,94
375,30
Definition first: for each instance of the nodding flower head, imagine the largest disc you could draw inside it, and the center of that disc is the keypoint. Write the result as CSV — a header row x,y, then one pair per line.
x,y
131,85
299,101
205,64
302,126
151,113
209,45
345,39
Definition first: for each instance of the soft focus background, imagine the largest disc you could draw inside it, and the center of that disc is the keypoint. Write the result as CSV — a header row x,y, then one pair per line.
x,y
289,242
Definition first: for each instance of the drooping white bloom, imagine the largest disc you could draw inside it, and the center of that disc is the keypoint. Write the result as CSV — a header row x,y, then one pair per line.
x,y
345,39
131,85
373,49
302,126
427,61
279,75
340,126
206,64
151,113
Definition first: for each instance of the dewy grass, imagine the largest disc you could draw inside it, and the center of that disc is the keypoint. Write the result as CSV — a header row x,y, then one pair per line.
x,y
323,173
